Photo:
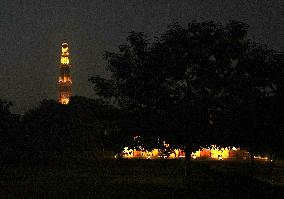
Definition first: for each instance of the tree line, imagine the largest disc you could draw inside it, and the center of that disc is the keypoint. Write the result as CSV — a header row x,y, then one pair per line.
x,y
203,84
52,132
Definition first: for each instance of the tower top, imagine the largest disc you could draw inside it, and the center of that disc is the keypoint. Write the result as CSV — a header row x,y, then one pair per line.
x,y
64,45
65,54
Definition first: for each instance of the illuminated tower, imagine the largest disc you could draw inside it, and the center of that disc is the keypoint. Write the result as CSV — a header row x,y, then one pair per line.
x,y
64,80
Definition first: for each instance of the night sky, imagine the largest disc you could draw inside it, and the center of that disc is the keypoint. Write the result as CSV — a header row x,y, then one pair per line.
x,y
31,32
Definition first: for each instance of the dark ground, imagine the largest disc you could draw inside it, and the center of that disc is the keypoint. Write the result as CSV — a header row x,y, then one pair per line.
x,y
140,179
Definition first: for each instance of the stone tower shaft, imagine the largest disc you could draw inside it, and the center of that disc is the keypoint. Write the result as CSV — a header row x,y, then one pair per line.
x,y
64,79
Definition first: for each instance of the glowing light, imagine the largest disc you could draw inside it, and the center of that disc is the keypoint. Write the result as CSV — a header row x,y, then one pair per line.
x,y
165,144
261,158
197,154
64,79
234,148
64,54
64,100
217,152
136,137
155,152
166,152
64,49
64,60
127,153
214,152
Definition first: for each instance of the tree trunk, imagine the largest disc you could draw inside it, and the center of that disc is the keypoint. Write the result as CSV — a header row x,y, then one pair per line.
x,y
271,162
188,175
252,159
252,162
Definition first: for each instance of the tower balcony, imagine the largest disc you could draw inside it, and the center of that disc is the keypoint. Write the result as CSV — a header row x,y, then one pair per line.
x,y
65,83
64,60
66,80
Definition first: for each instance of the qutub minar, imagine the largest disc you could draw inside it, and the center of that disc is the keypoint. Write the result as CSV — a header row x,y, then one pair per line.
x,y
64,79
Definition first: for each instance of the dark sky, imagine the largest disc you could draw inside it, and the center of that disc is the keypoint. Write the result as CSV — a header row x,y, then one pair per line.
x,y
31,32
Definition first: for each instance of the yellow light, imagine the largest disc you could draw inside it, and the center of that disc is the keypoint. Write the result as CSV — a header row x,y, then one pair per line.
x,y
64,54
234,148
65,44
167,145
64,79
196,154
216,152
64,100
173,155
64,50
64,60
155,152
127,153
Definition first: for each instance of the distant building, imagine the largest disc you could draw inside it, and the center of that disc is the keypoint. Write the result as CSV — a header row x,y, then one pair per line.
x,y
212,152
64,79
165,151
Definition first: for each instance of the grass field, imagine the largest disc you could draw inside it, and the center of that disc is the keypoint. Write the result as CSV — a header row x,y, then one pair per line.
x,y
141,179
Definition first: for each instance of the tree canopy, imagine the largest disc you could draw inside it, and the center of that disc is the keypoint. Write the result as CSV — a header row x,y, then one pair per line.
x,y
52,131
188,85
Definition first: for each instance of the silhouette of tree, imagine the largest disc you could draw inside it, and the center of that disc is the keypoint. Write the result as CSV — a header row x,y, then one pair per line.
x,y
186,84
47,130
9,132
277,86
255,119
92,119
54,131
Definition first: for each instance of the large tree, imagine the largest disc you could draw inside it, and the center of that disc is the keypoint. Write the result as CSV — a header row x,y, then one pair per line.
x,y
183,85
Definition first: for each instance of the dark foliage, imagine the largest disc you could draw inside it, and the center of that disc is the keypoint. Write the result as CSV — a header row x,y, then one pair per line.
x,y
9,132
53,131
203,84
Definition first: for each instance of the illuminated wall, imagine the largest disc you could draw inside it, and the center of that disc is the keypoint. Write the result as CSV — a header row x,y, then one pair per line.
x,y
212,152
167,152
